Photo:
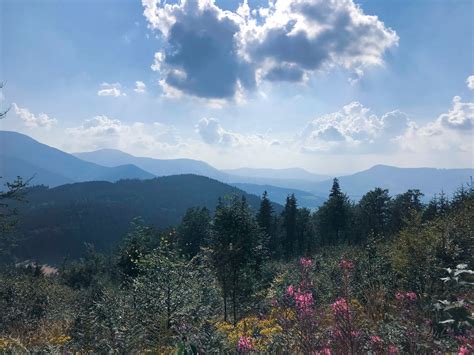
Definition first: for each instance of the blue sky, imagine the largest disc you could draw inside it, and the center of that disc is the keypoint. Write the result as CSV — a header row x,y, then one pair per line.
x,y
317,84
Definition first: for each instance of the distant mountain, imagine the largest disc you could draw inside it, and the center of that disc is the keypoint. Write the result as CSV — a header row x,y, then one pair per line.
x,y
24,156
279,194
158,167
286,174
430,181
165,167
11,168
57,222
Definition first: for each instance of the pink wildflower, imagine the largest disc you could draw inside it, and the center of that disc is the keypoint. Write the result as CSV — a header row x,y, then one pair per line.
x,y
393,350
336,333
340,307
355,333
290,291
244,344
407,296
325,351
304,301
463,350
306,262
346,264
375,339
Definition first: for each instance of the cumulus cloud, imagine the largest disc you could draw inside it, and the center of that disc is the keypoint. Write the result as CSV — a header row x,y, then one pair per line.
x,y
211,132
140,87
353,128
470,82
41,120
460,117
212,53
451,131
104,132
114,90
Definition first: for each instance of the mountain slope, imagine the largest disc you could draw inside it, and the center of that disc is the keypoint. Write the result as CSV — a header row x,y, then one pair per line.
x,y
57,222
430,181
279,194
22,153
165,167
290,173
158,167
11,168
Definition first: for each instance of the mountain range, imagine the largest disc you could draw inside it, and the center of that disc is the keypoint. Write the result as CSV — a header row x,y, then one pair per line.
x,y
21,155
56,222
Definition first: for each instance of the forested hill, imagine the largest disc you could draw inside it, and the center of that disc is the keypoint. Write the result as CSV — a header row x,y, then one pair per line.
x,y
56,222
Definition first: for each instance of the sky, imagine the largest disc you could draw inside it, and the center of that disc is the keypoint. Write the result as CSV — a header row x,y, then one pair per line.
x,y
332,86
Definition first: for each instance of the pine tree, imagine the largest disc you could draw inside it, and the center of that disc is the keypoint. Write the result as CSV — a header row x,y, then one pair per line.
x,y
194,230
268,224
265,214
236,242
333,218
403,208
289,225
373,213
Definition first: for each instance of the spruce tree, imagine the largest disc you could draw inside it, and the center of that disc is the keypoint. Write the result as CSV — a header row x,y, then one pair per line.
x,y
333,217
289,225
373,213
236,245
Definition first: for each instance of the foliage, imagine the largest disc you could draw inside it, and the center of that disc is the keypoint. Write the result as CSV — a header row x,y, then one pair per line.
x,y
383,276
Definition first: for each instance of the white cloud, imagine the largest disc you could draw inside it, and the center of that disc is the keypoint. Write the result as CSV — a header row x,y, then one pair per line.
x,y
137,137
308,35
211,132
353,128
41,120
213,53
470,82
140,87
450,132
114,90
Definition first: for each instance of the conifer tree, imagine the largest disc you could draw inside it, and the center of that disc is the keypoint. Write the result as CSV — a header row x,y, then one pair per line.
x,y
236,242
373,213
289,225
265,214
333,218
194,230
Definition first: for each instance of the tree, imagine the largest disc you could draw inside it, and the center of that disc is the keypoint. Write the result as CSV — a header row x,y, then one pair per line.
x,y
289,225
194,230
3,113
265,214
268,223
138,243
333,217
403,208
236,243
15,192
305,240
373,213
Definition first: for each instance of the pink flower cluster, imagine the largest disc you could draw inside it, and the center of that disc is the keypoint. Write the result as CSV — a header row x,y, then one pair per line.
x,y
375,339
393,350
345,264
325,351
407,296
304,300
244,345
306,262
290,291
340,307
